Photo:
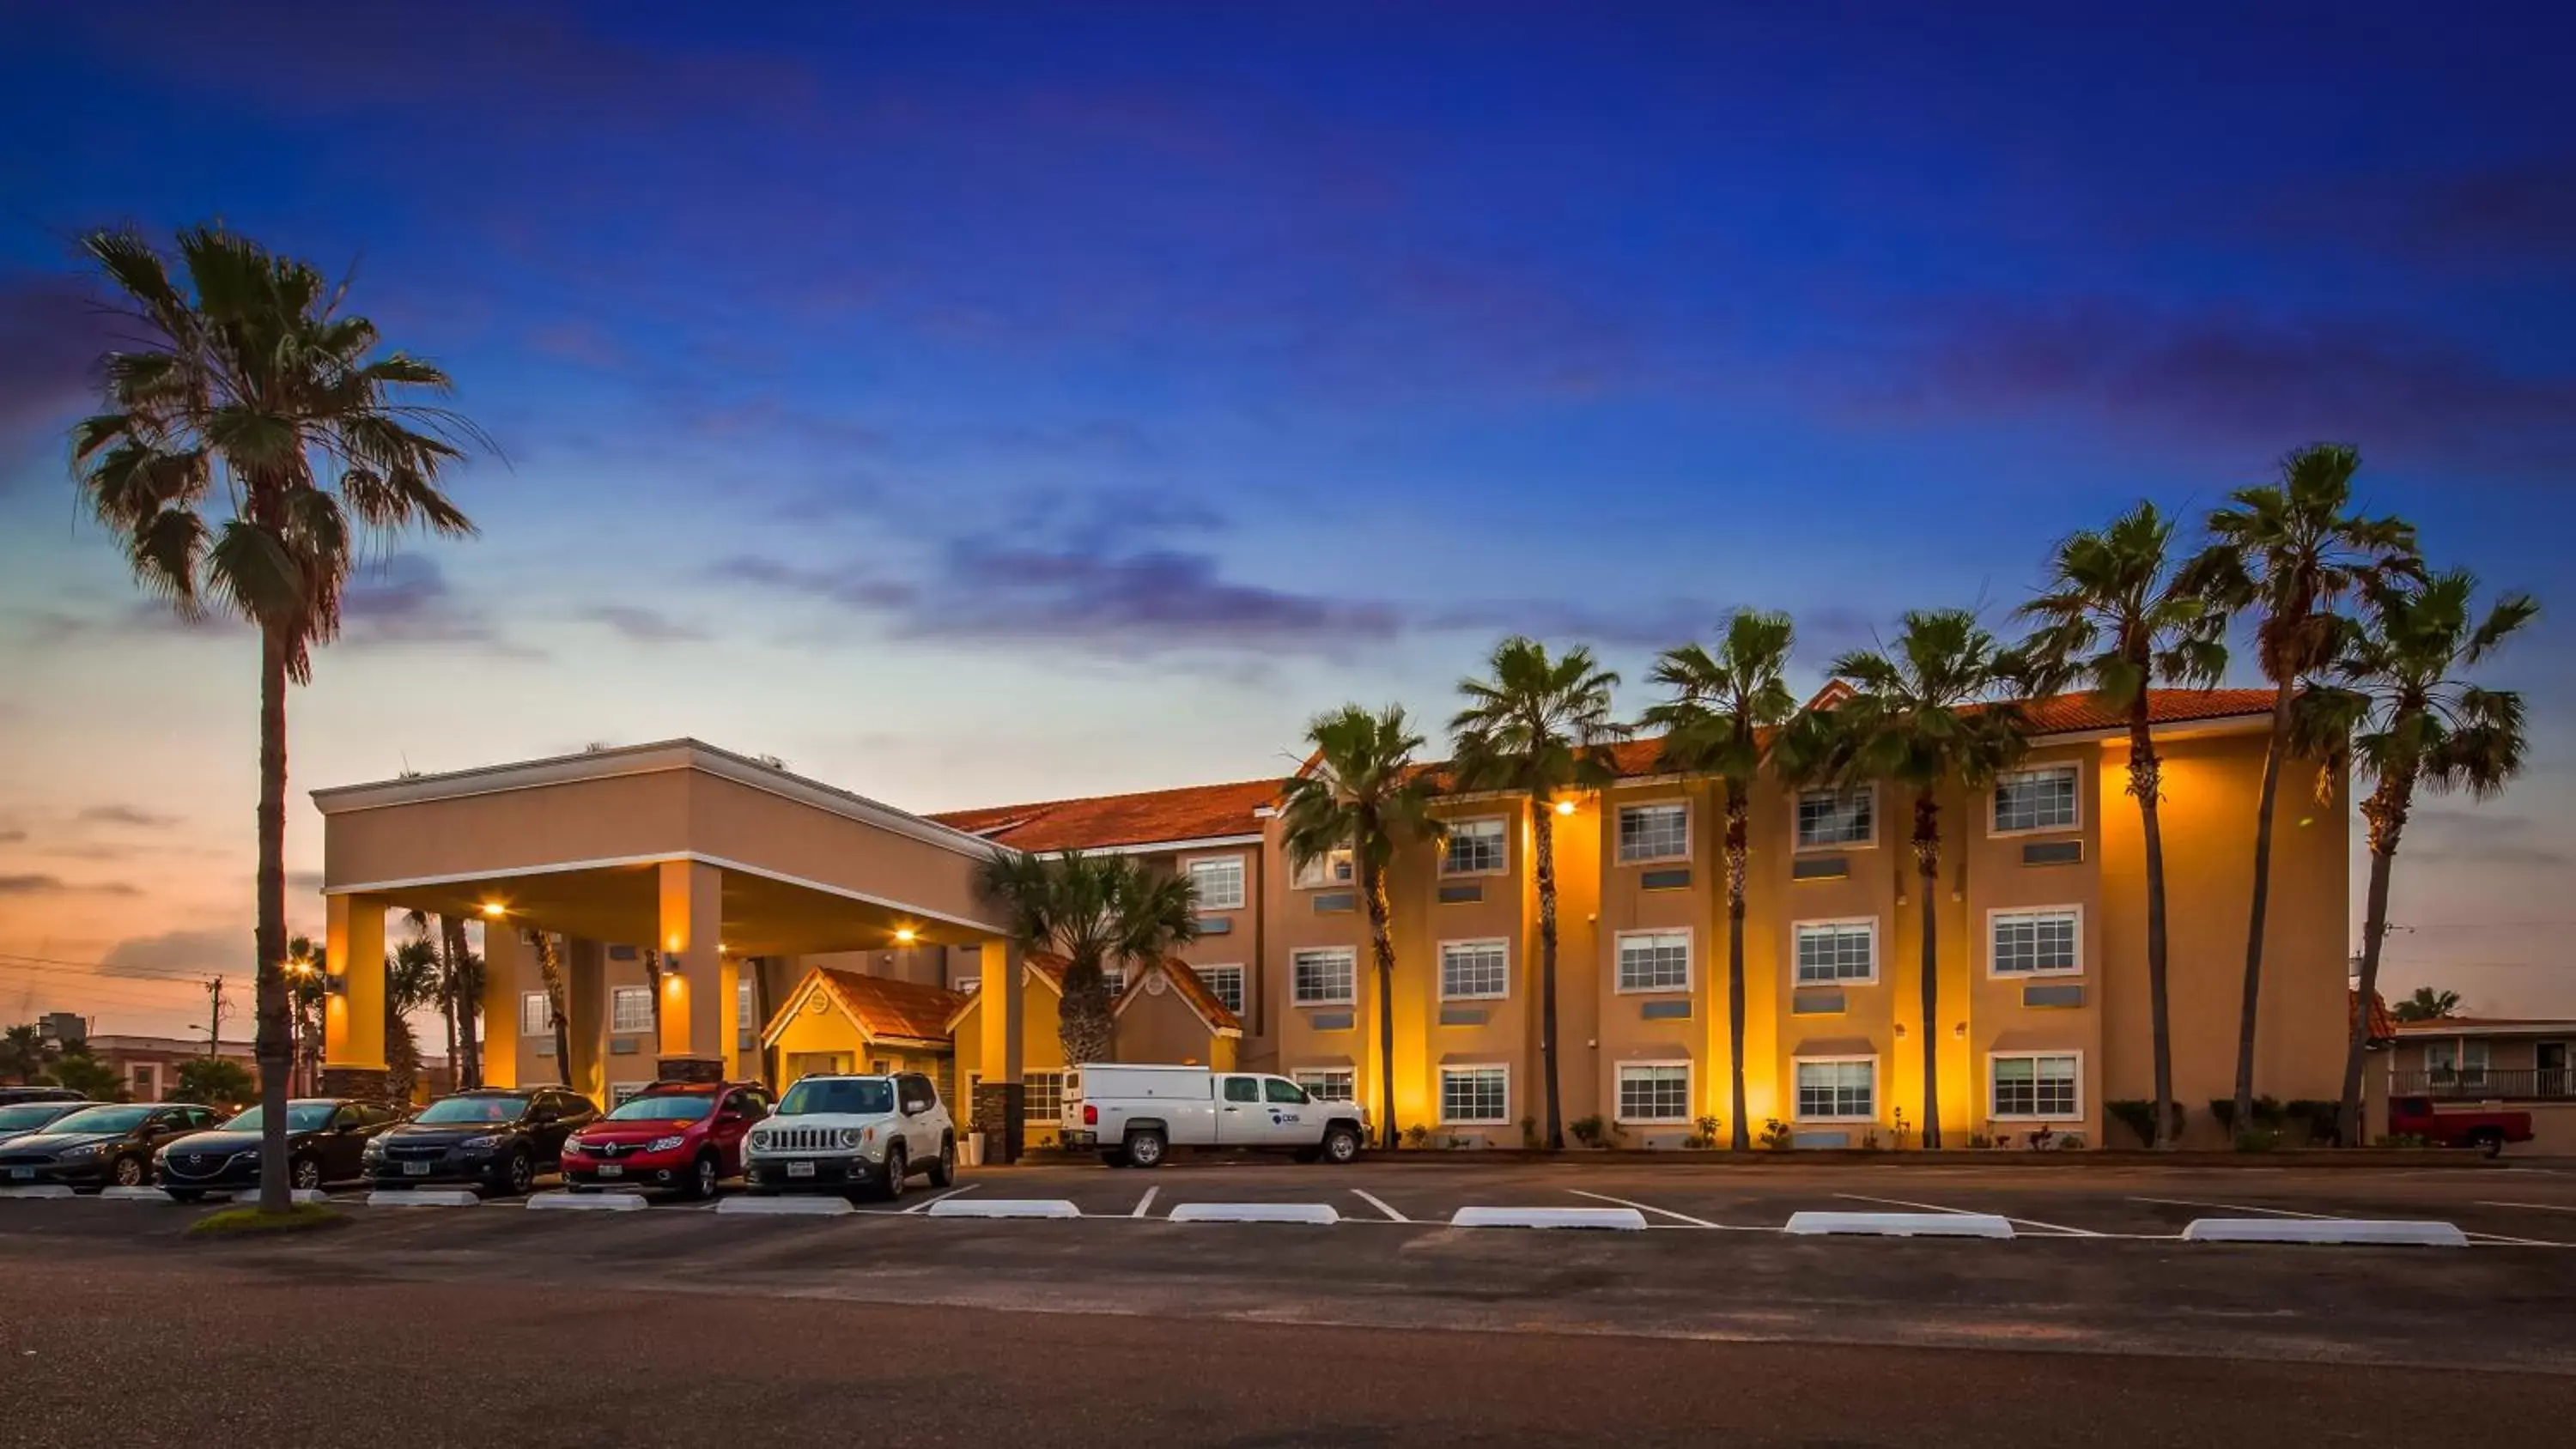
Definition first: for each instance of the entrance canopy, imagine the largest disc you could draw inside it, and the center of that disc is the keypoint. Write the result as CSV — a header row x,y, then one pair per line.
x,y
708,857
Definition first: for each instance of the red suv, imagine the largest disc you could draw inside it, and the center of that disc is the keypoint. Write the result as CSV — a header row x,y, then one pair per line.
x,y
682,1136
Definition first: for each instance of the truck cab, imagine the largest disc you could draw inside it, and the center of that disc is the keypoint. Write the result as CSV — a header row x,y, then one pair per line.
x,y
1135,1115
2488,1131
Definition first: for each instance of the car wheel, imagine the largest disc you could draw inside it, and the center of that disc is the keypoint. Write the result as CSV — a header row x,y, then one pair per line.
x,y
520,1175
1145,1149
943,1168
895,1170
128,1172
304,1173
1341,1146
2489,1142
702,1177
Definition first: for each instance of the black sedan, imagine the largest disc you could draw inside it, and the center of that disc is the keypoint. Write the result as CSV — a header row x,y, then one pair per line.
x,y
325,1137
496,1138
107,1145
17,1119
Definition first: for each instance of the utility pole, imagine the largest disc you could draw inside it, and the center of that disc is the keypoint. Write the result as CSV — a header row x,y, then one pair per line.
x,y
215,1017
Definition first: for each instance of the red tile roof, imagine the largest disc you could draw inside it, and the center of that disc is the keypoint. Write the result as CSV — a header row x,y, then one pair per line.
x,y
1193,990
2383,1027
1192,812
890,1008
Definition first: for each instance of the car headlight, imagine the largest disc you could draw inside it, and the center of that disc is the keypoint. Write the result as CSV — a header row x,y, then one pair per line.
x,y
374,1148
664,1144
856,1136
492,1141
86,1149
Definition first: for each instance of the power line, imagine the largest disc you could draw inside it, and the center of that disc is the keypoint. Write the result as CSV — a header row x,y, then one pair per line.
x,y
34,963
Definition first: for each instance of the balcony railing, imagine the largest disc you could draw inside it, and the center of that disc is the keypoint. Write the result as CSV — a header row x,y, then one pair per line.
x,y
2487,1084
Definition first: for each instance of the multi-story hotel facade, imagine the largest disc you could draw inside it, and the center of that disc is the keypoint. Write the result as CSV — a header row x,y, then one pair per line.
x,y
2038,911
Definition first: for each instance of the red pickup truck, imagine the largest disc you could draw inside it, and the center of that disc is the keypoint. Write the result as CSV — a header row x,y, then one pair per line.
x,y
2489,1131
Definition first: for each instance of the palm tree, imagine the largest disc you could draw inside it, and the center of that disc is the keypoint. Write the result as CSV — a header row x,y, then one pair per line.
x,y
307,989
2402,708
461,998
2427,1004
550,975
254,398
1539,725
1091,910
1719,722
431,933
1363,792
411,982
2117,619
2292,551
1937,707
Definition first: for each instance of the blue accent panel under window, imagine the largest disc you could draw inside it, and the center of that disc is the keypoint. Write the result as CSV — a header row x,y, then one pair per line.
x,y
1216,925
2062,994
2052,852
750,1040
1815,1003
1463,1016
1329,1020
1665,1010
623,1046
1822,1139
1665,880
1330,902
1451,895
1820,867
621,953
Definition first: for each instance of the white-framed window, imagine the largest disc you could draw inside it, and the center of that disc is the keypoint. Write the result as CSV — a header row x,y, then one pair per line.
x,y
2045,798
1838,1089
1330,1084
1654,832
1475,970
2456,1060
630,1009
1475,847
1041,1096
1218,882
1654,961
1832,819
536,1018
1837,952
1225,983
1115,978
2037,1085
746,998
1332,868
2044,942
1323,976
620,1093
1654,1092
1476,1095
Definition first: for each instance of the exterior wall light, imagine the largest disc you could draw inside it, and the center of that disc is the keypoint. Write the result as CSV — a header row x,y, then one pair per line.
x,y
495,909
1564,807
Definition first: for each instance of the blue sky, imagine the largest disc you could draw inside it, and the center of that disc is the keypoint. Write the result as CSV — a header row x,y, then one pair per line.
x,y
1002,402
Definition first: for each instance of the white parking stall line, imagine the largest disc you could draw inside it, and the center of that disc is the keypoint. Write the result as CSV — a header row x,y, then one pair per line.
x,y
1374,1201
1144,1203
927,1203
2058,1228
1647,1207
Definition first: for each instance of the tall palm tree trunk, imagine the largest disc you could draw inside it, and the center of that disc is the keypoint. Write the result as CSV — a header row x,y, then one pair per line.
x,y
2145,775
766,1007
1927,867
1543,834
2253,1004
1382,949
550,971
2385,811
276,1028
469,1003
1736,851
451,984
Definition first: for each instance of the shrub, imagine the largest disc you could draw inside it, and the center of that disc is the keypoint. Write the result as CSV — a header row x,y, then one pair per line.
x,y
2401,1140
1529,1133
2257,1139
1869,1140
1586,1130
1979,1141
2322,1121
1777,1135
213,1082
1417,1135
2139,1116
2069,1141
1708,1128
1698,1142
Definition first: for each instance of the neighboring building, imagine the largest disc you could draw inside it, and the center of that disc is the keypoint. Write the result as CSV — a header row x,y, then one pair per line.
x,y
2493,1061
149,1065
754,878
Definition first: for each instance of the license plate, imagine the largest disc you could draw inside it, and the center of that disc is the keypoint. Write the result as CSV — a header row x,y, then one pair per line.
x,y
800,1169
22,1173
415,1169
612,1169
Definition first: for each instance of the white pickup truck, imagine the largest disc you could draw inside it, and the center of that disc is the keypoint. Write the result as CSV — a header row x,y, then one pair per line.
x,y
1136,1115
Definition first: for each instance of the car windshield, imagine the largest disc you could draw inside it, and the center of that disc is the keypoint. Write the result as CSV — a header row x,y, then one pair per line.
x,y
473,1109
852,1096
666,1107
28,1116
103,1119
300,1117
